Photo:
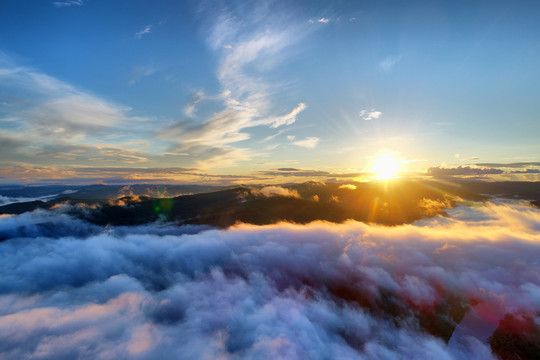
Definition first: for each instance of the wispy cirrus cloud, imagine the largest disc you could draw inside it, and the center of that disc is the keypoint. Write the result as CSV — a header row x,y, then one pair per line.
x,y
290,118
460,157
309,142
68,3
245,57
388,63
321,20
198,97
145,30
141,72
280,132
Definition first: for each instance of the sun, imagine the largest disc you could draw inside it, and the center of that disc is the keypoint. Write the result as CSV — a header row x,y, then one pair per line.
x,y
385,166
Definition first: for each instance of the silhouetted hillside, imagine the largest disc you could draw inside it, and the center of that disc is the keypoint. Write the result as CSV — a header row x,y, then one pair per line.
x,y
389,203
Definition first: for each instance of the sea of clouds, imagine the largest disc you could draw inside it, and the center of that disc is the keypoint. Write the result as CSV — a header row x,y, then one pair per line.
x,y
72,290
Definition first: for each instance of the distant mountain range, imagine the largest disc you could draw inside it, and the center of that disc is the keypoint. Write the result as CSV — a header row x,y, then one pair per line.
x,y
388,203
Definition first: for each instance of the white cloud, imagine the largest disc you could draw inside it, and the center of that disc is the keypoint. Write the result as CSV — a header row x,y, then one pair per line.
x,y
245,58
196,98
280,132
55,107
309,142
290,117
334,290
77,111
321,20
388,63
68,3
370,114
145,30
279,191
54,122
141,72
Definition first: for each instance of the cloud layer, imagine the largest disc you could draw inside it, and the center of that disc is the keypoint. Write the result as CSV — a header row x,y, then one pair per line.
x,y
284,291
462,170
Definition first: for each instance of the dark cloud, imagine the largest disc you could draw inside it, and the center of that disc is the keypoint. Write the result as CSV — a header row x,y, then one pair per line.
x,y
307,173
462,170
128,170
13,147
114,175
526,171
283,291
288,169
510,165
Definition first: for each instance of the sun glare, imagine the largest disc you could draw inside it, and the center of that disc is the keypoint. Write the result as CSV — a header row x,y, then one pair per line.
x,y
385,166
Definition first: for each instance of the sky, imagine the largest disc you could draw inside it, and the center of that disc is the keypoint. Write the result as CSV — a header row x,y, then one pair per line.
x,y
238,91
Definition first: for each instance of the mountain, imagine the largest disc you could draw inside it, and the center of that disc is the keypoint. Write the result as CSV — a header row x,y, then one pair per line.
x,y
388,203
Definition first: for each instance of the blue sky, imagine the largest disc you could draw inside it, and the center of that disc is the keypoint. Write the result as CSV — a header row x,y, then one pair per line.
x,y
233,91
